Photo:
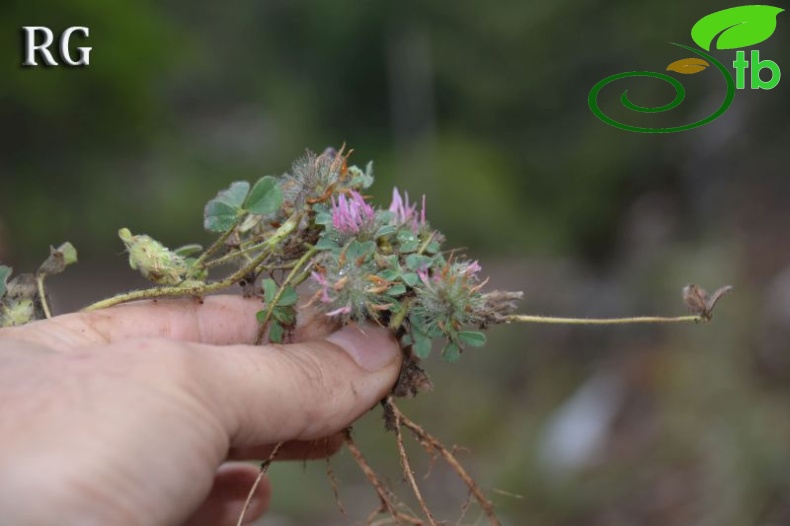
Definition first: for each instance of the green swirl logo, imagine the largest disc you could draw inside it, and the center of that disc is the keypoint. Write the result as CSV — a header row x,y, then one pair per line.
x,y
736,27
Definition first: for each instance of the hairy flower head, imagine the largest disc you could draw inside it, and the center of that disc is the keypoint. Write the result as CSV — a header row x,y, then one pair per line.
x,y
352,215
405,213
314,178
155,261
347,287
449,297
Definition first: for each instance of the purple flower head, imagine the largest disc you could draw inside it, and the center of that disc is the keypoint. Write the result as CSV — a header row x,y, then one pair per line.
x,y
352,214
341,310
405,213
472,269
325,286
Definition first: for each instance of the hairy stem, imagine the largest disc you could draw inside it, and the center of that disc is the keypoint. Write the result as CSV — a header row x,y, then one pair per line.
x,y
245,248
201,290
215,246
41,294
273,303
524,318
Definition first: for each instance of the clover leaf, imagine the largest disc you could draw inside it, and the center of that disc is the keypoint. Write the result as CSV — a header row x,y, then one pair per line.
x,y
451,352
472,338
222,212
265,197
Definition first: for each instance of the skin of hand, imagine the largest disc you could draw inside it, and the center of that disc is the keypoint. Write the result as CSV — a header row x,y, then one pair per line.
x,y
134,415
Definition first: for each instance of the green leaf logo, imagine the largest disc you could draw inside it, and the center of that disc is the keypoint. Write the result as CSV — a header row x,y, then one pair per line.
x,y
738,26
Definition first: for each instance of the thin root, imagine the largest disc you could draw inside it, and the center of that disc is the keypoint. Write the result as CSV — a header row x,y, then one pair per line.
x,y
407,471
387,505
333,482
264,466
432,445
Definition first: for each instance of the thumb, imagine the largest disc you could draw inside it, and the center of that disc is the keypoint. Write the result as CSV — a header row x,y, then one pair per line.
x,y
301,391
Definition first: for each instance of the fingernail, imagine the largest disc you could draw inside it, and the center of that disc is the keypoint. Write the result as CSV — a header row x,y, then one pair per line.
x,y
372,347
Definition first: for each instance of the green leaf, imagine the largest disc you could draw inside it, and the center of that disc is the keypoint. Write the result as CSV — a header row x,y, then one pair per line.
x,y
408,241
388,274
406,236
472,338
260,315
360,179
451,352
411,278
323,218
420,324
288,297
326,243
188,250
358,250
433,247
5,272
276,332
422,344
235,194
415,262
222,212
265,197
396,290
285,315
739,27
386,230
219,216
269,290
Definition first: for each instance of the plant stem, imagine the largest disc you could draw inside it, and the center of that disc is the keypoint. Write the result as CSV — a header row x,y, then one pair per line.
x,y
201,290
42,296
426,243
273,303
524,318
243,251
216,245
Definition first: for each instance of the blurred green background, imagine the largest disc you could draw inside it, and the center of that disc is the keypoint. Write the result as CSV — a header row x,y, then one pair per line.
x,y
483,107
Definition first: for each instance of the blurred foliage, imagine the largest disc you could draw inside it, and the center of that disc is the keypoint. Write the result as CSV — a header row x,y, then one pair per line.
x,y
181,98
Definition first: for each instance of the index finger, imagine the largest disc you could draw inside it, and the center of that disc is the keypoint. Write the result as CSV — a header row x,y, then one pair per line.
x,y
216,320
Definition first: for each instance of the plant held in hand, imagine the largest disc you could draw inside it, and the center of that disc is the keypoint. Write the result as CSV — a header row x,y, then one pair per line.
x,y
314,227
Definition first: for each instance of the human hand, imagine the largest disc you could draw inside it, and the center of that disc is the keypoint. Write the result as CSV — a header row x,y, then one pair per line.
x,y
127,416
